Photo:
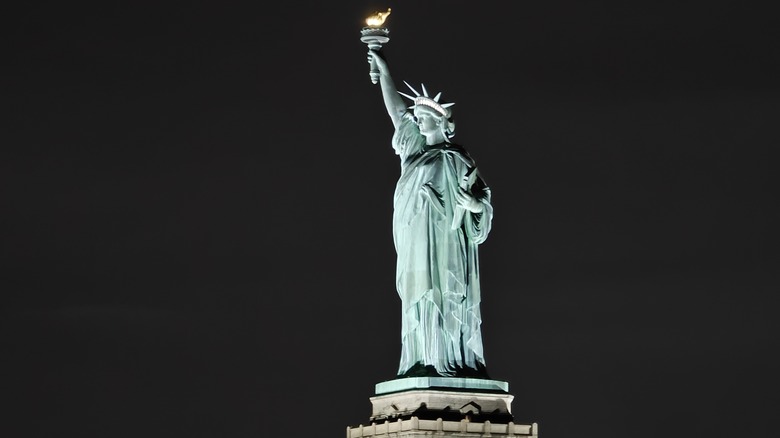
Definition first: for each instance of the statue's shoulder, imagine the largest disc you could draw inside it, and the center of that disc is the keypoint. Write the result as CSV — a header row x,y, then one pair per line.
x,y
460,150
457,147
407,129
407,140
407,121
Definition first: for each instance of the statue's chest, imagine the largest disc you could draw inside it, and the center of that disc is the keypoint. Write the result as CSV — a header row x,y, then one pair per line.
x,y
436,171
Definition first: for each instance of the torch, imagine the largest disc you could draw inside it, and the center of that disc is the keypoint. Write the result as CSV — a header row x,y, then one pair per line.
x,y
374,35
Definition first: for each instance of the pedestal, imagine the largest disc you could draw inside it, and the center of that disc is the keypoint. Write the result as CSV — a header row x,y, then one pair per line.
x,y
415,427
442,407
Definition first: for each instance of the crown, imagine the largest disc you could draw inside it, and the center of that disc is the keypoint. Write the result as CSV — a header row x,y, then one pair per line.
x,y
424,100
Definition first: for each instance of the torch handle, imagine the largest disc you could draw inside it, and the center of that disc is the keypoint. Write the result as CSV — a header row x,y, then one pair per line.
x,y
374,70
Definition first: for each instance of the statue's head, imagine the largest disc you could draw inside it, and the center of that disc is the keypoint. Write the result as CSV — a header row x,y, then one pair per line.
x,y
429,120
426,108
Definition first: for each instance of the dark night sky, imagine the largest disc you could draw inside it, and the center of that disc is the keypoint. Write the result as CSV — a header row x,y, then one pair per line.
x,y
196,199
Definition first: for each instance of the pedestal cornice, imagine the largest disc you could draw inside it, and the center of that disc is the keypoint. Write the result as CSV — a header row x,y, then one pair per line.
x,y
444,383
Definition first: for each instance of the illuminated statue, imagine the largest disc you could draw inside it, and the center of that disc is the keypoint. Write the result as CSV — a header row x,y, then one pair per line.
x,y
442,212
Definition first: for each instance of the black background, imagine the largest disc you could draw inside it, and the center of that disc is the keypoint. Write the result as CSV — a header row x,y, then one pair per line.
x,y
196,200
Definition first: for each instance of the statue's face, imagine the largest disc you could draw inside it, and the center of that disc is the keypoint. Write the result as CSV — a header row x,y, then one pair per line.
x,y
427,121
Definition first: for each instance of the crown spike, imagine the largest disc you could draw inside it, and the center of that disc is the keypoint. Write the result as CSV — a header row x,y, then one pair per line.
x,y
413,90
447,105
438,95
406,96
425,92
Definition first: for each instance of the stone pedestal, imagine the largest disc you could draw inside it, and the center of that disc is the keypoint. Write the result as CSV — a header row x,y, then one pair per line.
x,y
447,405
414,427
442,407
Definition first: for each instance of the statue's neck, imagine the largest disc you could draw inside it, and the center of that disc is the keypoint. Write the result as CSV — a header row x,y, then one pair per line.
x,y
434,139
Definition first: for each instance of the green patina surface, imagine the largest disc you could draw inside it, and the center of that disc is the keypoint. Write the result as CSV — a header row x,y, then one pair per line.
x,y
442,212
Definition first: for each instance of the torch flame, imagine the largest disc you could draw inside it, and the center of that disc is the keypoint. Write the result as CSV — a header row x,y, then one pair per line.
x,y
378,18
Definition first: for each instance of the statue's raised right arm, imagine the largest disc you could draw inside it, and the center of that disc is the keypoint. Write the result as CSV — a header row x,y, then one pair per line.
x,y
393,102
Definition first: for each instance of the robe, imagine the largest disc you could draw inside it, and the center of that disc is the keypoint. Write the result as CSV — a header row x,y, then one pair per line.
x,y
437,271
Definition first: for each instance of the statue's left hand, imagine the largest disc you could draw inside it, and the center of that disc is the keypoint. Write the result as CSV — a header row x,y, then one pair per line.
x,y
468,201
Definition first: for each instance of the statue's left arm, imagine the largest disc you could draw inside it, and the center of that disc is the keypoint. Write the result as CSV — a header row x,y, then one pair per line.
x,y
478,217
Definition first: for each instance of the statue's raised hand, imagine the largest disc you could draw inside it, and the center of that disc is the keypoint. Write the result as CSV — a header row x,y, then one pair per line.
x,y
375,57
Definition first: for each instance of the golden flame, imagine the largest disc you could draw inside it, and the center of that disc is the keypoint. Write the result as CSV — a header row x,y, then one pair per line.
x,y
378,18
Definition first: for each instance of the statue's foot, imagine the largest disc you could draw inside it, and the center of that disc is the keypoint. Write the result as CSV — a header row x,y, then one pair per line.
x,y
420,370
479,373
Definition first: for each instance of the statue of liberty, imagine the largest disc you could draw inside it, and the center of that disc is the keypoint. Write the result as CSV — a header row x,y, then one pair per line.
x,y
442,212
